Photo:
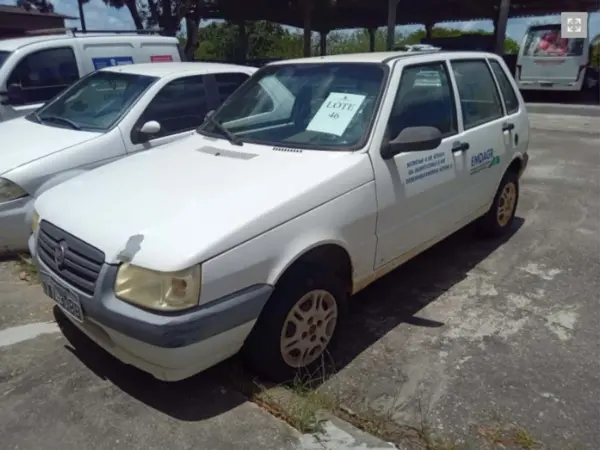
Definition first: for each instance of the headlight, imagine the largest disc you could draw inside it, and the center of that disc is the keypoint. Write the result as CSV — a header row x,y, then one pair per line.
x,y
10,191
35,223
164,291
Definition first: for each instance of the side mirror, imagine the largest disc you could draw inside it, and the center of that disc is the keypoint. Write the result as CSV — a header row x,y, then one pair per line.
x,y
412,139
14,95
209,115
150,128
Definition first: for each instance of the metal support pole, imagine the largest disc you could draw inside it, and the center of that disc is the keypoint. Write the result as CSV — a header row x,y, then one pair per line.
x,y
429,30
323,42
391,24
372,39
81,15
243,42
307,27
500,22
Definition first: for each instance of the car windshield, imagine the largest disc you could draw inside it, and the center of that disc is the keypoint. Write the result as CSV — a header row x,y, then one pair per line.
x,y
547,41
322,106
96,102
3,57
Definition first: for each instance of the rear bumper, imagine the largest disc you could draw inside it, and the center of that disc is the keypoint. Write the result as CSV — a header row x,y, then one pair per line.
x,y
549,85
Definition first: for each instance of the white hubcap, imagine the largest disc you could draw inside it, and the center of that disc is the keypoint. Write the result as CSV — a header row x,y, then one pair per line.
x,y
308,328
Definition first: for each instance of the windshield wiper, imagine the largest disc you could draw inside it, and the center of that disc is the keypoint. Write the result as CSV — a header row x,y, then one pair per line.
x,y
59,119
228,134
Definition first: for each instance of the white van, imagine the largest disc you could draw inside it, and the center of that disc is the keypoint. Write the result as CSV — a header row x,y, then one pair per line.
x,y
34,69
252,233
547,61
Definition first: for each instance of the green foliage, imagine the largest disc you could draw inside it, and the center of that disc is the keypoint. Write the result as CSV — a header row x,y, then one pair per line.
x,y
221,41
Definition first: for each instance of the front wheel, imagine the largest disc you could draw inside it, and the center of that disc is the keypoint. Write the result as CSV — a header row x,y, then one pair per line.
x,y
294,331
498,220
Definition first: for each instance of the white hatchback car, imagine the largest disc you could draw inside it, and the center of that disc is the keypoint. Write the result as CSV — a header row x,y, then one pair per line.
x,y
107,115
253,233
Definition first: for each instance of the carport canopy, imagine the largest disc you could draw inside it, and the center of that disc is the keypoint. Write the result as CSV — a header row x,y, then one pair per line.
x,y
324,16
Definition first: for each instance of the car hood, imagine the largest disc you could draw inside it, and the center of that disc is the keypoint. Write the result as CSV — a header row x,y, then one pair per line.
x,y
24,141
177,205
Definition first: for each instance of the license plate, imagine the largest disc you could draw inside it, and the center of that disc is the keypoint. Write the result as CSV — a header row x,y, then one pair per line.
x,y
67,301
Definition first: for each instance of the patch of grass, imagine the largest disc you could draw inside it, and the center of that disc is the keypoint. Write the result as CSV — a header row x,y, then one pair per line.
x,y
26,269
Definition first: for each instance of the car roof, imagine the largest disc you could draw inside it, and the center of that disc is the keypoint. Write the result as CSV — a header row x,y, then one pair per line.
x,y
383,57
12,44
166,69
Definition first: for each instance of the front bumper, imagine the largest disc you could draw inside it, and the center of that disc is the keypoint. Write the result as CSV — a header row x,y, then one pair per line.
x,y
15,224
170,346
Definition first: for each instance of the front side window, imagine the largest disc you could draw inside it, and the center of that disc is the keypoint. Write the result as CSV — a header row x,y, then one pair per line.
x,y
3,57
318,106
479,97
424,98
510,98
545,41
96,102
179,106
44,74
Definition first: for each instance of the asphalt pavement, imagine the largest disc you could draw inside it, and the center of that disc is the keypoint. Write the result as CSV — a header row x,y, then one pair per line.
x,y
472,338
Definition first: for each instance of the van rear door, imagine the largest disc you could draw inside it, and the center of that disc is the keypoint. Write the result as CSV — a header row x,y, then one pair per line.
x,y
548,61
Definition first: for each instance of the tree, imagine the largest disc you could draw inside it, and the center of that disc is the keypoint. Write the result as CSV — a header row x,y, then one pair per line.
x,y
44,6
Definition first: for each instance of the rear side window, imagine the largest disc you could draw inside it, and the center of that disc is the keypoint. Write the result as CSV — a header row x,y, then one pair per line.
x,y
228,82
479,97
510,98
44,74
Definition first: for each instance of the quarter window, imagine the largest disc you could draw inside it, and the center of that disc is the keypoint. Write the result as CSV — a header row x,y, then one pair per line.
x,y
478,94
179,106
45,74
424,98
510,98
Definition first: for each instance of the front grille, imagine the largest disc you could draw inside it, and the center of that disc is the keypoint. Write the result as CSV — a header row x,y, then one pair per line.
x,y
82,262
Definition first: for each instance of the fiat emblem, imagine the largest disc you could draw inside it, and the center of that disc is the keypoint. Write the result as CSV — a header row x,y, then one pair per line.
x,y
60,252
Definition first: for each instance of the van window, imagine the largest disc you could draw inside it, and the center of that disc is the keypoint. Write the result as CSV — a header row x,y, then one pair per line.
x,y
228,82
510,98
546,40
44,74
479,97
179,106
96,102
424,98
3,57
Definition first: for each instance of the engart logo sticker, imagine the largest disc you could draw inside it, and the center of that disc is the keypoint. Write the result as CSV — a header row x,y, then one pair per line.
x,y
483,160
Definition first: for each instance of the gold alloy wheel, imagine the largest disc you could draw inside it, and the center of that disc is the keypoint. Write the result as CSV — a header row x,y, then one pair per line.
x,y
308,328
506,204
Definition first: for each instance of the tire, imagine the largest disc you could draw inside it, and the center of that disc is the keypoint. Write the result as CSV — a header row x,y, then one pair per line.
x,y
298,291
499,219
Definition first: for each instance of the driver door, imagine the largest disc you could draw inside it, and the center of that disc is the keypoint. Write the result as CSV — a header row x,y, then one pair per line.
x,y
41,76
417,191
180,107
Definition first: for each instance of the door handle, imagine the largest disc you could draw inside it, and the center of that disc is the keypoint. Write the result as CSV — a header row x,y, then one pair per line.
x,y
458,146
508,126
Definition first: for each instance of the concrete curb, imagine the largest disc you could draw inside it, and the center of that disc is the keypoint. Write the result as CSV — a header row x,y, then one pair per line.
x,y
334,434
568,123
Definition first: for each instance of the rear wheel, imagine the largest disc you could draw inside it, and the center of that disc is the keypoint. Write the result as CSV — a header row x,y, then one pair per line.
x,y
297,326
498,220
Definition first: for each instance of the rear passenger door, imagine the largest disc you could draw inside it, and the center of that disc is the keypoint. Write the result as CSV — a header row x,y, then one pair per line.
x,y
484,132
180,107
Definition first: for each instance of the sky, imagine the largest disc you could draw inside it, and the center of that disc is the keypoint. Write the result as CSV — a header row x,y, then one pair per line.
x,y
99,16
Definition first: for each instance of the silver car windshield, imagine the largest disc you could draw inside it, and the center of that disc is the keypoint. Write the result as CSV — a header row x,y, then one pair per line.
x,y
96,102
320,106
